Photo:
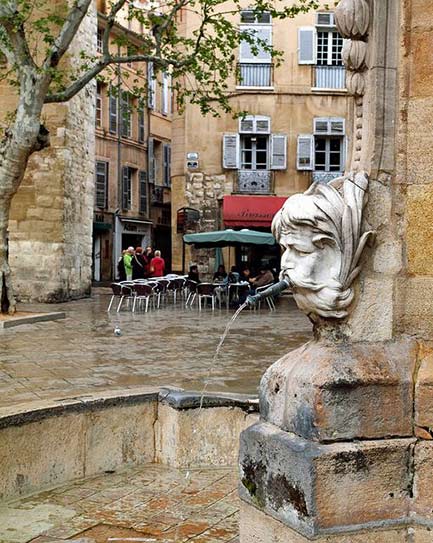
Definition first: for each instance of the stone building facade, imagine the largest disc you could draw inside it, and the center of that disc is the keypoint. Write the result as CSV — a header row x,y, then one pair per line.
x,y
51,217
293,109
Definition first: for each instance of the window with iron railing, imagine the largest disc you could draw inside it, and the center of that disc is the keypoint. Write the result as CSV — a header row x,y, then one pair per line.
x,y
255,59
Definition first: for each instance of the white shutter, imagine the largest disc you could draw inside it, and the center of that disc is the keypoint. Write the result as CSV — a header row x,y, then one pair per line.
x,y
278,152
259,34
150,86
151,160
325,19
231,151
305,154
307,45
164,107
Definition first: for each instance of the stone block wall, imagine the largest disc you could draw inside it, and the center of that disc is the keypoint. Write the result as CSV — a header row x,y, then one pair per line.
x,y
51,217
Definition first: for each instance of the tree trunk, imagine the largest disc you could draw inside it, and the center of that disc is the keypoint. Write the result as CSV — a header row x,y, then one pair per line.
x,y
8,304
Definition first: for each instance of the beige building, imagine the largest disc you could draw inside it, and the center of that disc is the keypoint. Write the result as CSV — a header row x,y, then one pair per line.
x,y
132,170
236,172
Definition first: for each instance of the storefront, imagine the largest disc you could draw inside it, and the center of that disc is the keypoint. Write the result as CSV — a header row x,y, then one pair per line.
x,y
255,213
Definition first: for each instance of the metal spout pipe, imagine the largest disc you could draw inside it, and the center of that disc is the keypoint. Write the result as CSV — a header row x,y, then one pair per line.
x,y
273,290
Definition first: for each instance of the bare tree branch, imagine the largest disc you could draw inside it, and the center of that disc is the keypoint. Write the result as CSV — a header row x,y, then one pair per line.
x,y
67,33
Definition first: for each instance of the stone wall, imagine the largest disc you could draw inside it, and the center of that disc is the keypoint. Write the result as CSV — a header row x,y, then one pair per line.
x,y
51,217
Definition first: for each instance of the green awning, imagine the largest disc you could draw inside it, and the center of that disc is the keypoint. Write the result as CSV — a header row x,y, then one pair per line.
x,y
101,226
226,238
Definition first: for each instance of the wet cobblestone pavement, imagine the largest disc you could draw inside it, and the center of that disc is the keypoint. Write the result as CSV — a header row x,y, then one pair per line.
x,y
172,346
150,503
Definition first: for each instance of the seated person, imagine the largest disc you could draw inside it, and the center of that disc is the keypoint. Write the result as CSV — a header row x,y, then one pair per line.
x,y
246,274
220,274
265,277
234,275
193,273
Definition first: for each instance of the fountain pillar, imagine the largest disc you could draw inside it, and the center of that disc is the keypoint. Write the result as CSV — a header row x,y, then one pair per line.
x,y
343,451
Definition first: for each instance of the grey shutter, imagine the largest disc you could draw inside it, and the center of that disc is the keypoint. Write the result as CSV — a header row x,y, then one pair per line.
x,y
143,192
150,86
231,151
101,184
305,154
307,45
113,112
259,35
278,152
151,160
167,158
126,188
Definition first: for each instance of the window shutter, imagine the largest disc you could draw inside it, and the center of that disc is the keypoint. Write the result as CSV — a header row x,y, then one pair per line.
x,y
150,86
167,159
164,108
278,152
126,188
151,160
307,45
231,151
101,184
305,155
113,113
143,192
259,35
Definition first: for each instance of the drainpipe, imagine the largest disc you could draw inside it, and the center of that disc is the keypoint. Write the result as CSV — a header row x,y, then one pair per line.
x,y
149,159
117,224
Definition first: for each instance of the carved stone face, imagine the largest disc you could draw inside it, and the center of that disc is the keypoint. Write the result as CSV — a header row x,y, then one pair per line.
x,y
320,246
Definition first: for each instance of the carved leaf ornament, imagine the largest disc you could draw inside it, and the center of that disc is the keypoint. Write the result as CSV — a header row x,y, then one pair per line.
x,y
353,18
354,55
355,83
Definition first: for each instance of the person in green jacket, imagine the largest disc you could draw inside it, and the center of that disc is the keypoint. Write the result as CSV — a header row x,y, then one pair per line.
x,y
127,261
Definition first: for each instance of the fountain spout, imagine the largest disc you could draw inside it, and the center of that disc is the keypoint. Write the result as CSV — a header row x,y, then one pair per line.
x,y
273,290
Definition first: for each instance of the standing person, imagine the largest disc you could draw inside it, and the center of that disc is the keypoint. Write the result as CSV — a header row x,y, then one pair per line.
x,y
157,265
148,254
127,261
139,264
121,272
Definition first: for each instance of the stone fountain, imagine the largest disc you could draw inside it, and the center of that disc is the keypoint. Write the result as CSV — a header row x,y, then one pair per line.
x,y
343,450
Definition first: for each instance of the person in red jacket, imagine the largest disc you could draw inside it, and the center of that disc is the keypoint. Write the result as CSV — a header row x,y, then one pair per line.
x,y
157,265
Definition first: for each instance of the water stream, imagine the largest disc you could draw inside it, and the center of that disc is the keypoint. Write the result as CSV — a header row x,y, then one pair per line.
x,y
218,349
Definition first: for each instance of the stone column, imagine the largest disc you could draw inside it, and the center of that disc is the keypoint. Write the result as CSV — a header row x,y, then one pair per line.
x,y
343,451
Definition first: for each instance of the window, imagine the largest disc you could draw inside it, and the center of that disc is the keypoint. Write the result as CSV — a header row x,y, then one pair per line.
x,y
143,192
126,187
141,129
255,59
322,45
167,165
254,152
100,40
323,151
101,192
112,111
125,114
98,118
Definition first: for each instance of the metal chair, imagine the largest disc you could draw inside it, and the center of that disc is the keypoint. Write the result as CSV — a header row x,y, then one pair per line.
x,y
160,290
191,291
143,293
116,289
206,291
126,292
174,286
269,299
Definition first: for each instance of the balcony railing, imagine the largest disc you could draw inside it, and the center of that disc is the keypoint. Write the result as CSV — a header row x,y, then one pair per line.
x,y
330,77
255,75
325,177
255,181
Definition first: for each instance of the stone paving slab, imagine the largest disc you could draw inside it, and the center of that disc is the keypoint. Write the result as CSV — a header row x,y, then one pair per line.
x,y
29,318
150,503
80,355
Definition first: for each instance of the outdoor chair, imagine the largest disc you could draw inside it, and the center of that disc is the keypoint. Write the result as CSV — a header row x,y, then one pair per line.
x,y
237,292
160,290
191,291
206,291
269,299
127,293
175,286
143,293
116,289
